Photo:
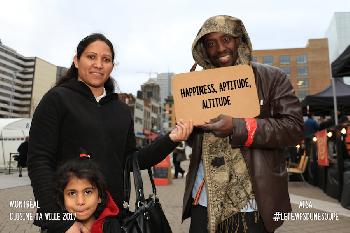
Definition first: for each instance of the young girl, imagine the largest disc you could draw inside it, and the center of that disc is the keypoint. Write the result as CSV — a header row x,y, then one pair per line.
x,y
81,190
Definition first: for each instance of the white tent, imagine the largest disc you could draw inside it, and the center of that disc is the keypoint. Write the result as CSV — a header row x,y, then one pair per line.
x,y
12,133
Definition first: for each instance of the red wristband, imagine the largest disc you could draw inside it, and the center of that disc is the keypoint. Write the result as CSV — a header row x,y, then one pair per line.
x,y
83,155
250,124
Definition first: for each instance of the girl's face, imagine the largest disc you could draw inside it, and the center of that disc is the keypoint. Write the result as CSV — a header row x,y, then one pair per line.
x,y
94,66
81,198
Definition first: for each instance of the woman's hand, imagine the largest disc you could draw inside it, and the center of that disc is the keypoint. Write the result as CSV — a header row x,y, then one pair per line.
x,y
182,131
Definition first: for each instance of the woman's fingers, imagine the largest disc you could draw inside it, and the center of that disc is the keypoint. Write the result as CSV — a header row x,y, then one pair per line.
x,y
187,127
182,130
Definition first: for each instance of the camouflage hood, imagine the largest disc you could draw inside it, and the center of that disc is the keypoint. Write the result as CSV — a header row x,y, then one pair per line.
x,y
228,25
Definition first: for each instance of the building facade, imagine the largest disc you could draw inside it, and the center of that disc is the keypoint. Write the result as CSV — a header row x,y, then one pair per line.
x,y
164,82
307,68
338,34
146,115
61,71
136,105
169,114
23,82
138,121
151,90
16,80
44,79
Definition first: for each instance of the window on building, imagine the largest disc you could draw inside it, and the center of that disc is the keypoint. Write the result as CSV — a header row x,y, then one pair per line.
x,y
286,70
268,60
139,106
255,59
284,59
302,71
301,59
138,120
149,94
303,83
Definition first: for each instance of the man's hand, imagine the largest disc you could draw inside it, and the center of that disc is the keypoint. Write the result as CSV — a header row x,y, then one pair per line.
x,y
181,131
221,126
75,228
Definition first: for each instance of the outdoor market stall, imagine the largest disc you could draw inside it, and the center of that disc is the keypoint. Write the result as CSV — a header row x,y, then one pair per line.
x,y
334,178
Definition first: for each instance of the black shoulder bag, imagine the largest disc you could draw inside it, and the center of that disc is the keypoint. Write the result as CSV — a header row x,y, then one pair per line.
x,y
148,216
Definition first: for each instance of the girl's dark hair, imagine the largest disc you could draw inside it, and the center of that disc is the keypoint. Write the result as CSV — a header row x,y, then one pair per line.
x,y
72,72
81,168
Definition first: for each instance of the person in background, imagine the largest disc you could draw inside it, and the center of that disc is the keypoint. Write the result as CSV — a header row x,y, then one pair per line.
x,y
321,120
83,113
342,117
22,156
237,178
178,156
310,128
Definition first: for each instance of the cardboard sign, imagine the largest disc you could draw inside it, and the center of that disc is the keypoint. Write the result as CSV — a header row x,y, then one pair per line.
x,y
204,95
322,148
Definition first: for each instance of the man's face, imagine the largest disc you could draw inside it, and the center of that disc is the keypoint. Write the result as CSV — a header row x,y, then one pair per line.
x,y
221,48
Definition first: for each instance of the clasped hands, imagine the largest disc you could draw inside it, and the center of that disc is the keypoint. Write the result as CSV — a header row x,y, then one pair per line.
x,y
182,131
221,126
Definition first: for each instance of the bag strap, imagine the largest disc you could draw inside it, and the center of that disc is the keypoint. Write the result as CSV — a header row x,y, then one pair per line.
x,y
152,181
127,184
131,164
137,180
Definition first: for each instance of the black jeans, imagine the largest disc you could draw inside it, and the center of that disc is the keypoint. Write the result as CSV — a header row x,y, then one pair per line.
x,y
199,222
178,169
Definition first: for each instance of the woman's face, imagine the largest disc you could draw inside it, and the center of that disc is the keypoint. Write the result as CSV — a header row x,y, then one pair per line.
x,y
94,66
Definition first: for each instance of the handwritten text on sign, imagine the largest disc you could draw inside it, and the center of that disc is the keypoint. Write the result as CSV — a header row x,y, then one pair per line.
x,y
204,95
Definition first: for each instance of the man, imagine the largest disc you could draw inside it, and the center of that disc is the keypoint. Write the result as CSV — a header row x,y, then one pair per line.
x,y
310,127
237,177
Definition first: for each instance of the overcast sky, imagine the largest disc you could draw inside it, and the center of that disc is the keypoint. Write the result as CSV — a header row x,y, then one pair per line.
x,y
154,35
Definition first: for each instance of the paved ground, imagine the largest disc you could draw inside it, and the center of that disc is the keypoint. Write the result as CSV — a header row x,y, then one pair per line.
x,y
14,188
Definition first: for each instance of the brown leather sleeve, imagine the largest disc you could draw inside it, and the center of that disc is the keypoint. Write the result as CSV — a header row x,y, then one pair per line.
x,y
281,122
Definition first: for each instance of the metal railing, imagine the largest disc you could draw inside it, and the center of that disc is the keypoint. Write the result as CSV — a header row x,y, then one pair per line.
x,y
10,166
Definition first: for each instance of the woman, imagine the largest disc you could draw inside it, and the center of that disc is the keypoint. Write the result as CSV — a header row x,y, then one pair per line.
x,y
83,114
